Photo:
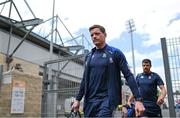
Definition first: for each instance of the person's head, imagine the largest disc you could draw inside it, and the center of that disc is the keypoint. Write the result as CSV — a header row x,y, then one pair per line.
x,y
98,35
146,64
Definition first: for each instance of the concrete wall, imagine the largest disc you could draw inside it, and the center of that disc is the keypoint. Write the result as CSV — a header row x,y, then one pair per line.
x,y
34,54
27,51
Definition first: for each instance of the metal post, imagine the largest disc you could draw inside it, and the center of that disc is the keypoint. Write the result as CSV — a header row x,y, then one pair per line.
x,y
132,47
1,75
44,96
168,78
1,72
52,31
131,29
51,97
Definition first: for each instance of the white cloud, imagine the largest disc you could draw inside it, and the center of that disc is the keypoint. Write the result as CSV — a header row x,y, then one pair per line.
x,y
156,22
140,56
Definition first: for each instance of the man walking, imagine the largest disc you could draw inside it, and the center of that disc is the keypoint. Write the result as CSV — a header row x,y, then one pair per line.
x,y
101,83
148,82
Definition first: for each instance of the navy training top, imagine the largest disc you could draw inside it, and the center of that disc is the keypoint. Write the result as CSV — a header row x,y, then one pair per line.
x,y
148,83
116,63
98,86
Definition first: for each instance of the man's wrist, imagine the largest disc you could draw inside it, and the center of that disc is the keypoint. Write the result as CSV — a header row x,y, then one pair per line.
x,y
77,100
163,95
139,99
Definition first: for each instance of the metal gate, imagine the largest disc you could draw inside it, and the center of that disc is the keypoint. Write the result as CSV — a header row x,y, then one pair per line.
x,y
171,58
61,80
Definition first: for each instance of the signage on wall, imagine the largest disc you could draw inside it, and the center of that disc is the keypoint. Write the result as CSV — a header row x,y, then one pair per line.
x,y
18,96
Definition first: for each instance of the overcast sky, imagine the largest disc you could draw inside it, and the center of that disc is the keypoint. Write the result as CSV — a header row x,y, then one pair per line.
x,y
153,19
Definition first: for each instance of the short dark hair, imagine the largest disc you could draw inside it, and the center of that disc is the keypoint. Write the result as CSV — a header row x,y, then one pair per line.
x,y
102,29
146,61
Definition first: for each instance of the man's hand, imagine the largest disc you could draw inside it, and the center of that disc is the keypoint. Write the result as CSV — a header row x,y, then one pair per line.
x,y
160,100
129,103
75,105
162,95
139,108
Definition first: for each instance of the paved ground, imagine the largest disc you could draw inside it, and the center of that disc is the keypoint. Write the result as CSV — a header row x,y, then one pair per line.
x,y
165,113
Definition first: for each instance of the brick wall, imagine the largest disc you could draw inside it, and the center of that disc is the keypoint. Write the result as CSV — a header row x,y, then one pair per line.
x,y
27,67
33,89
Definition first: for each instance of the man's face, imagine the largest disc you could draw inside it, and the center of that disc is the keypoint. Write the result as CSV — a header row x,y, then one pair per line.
x,y
98,37
146,67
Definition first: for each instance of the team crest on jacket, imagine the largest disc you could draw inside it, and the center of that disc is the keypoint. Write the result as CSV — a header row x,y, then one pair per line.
x,y
104,55
110,60
149,77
